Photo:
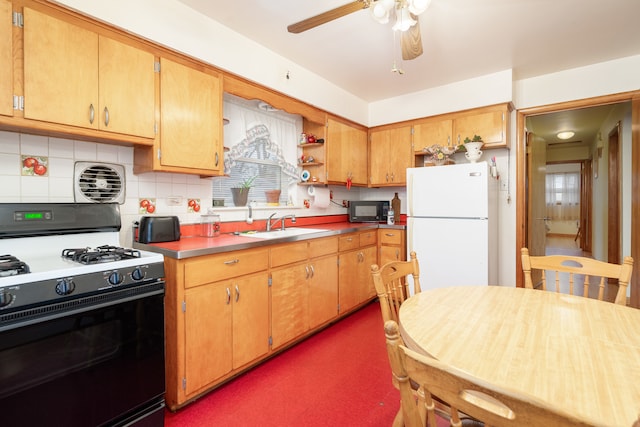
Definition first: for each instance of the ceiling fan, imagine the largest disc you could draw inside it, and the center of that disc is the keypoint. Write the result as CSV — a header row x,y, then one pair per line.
x,y
406,15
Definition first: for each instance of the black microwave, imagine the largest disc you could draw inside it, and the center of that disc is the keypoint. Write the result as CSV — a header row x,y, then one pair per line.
x,y
368,211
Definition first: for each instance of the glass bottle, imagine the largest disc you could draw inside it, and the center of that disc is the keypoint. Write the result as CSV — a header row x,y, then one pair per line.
x,y
395,205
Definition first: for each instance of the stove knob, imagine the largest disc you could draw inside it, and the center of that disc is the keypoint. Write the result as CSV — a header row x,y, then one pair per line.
x,y
137,274
116,278
5,297
65,287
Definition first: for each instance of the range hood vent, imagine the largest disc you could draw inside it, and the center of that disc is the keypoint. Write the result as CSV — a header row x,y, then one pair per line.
x,y
99,183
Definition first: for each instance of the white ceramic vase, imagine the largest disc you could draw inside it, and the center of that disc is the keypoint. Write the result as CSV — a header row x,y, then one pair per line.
x,y
473,153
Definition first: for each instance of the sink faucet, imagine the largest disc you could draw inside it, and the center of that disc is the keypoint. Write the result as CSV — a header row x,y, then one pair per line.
x,y
270,225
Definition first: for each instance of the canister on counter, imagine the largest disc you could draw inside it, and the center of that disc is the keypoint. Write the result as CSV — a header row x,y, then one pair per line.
x,y
210,225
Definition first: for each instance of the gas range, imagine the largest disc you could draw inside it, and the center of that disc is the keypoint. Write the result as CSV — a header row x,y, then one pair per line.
x,y
59,251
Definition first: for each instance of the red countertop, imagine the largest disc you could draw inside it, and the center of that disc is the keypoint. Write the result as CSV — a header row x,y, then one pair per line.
x,y
191,244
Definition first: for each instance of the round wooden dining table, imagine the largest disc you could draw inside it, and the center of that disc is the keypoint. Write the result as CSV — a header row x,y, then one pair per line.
x,y
576,353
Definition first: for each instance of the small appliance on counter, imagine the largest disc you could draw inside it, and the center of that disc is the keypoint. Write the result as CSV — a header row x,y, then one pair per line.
x,y
368,211
157,229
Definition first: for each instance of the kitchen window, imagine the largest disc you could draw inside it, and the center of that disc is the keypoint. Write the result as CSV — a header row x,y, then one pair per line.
x,y
261,143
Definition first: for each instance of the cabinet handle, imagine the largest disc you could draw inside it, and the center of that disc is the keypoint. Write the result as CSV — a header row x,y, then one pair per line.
x,y
350,239
398,254
387,177
233,261
217,159
393,177
389,234
92,113
237,293
106,116
228,296
306,268
313,271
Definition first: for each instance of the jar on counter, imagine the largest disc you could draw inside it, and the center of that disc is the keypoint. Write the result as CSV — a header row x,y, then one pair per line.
x,y
210,225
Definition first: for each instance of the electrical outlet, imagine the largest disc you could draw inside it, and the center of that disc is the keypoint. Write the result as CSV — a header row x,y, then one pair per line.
x,y
345,203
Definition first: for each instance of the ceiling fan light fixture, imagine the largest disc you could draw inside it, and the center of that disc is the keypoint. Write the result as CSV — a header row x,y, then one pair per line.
x,y
418,6
380,13
404,21
565,134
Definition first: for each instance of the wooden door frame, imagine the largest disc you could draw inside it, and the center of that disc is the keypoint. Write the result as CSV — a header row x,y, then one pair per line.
x,y
521,223
613,194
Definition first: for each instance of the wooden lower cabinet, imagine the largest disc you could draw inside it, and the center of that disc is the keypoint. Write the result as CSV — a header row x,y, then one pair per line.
x,y
216,320
304,288
229,311
227,321
357,254
392,245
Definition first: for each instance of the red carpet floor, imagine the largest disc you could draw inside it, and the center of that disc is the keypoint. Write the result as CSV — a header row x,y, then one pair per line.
x,y
338,377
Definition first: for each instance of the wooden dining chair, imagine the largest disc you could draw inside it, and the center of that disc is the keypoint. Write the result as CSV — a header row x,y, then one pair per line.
x,y
487,403
391,284
565,267
392,289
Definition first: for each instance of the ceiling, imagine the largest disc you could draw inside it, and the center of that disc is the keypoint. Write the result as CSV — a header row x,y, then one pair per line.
x,y
462,39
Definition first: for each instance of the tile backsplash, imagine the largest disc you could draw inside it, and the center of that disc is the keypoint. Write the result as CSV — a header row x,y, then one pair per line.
x,y
170,192
56,185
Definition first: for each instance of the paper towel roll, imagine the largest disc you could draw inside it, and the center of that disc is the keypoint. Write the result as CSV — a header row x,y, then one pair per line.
x,y
322,197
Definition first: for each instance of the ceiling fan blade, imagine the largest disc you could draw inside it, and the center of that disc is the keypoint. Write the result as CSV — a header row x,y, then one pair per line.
x,y
411,41
328,16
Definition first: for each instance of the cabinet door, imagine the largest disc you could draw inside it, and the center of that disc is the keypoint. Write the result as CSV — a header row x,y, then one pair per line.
x,y
190,118
367,289
288,303
390,253
390,155
250,318
489,125
323,290
346,153
127,89
60,71
349,280
433,132
208,339
6,58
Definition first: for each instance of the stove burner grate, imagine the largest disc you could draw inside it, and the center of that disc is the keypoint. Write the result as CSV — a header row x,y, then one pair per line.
x,y
101,254
12,266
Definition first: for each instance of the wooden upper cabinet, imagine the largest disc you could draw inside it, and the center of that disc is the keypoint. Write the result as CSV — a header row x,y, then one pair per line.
x,y
346,152
74,76
491,123
390,155
432,132
6,58
190,119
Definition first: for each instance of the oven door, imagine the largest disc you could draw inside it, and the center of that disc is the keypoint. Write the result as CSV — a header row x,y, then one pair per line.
x,y
99,361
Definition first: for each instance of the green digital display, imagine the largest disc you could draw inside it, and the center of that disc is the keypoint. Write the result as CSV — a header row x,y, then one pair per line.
x,y
33,215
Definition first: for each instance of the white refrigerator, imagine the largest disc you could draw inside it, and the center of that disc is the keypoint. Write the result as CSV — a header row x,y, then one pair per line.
x,y
452,224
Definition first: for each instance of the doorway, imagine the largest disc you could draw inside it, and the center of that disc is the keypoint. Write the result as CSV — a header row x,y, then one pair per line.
x,y
523,190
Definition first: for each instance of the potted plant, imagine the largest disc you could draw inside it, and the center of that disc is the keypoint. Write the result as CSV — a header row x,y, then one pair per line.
x,y
473,147
241,193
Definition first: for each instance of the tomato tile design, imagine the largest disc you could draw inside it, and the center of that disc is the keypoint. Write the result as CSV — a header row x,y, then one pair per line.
x,y
147,205
35,165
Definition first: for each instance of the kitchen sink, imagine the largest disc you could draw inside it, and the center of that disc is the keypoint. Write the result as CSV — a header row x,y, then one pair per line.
x,y
288,232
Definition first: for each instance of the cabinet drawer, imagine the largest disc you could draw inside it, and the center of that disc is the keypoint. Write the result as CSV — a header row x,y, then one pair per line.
x,y
368,238
288,253
390,237
324,246
348,242
214,268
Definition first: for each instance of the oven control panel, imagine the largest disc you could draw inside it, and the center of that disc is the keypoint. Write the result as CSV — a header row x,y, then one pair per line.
x,y
54,290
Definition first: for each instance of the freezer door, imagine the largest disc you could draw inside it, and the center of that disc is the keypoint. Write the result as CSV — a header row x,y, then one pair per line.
x,y
453,191
451,252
